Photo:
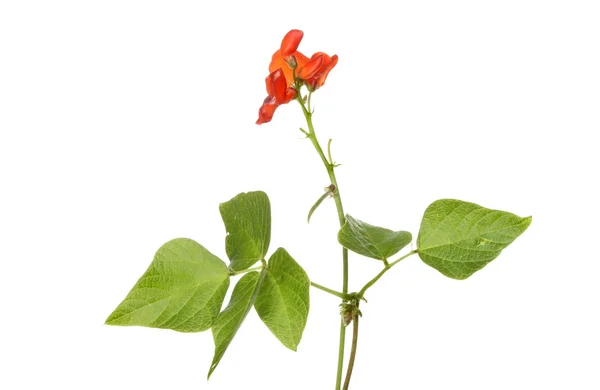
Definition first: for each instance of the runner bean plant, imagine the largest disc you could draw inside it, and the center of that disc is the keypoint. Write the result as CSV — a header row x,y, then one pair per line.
x,y
184,287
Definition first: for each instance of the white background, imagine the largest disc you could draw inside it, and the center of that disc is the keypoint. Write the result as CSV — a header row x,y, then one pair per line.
x,y
125,123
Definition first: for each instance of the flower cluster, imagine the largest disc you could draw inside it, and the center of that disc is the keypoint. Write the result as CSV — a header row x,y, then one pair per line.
x,y
290,70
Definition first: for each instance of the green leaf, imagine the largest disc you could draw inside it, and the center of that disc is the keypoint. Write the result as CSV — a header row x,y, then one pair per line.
x,y
372,241
459,238
229,321
283,299
247,218
183,289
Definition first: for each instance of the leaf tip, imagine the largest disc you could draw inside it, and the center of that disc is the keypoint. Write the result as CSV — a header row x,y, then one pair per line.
x,y
525,222
211,370
109,320
292,345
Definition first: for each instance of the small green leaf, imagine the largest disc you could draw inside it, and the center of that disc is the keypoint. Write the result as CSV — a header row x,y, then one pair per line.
x,y
283,299
372,241
247,218
459,238
183,289
229,321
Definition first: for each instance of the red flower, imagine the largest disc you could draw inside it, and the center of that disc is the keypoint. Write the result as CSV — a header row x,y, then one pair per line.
x,y
311,72
316,70
278,93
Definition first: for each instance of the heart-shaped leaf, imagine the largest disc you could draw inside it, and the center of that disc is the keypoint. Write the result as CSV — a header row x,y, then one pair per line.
x,y
283,299
459,238
372,241
247,218
183,289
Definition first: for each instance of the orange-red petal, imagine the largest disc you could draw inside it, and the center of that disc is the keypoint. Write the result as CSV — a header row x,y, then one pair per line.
x,y
317,79
311,67
328,64
290,94
276,85
266,111
278,93
290,43
277,61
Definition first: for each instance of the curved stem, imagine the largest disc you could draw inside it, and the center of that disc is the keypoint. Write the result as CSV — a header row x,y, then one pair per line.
x,y
338,294
352,351
342,219
318,203
361,293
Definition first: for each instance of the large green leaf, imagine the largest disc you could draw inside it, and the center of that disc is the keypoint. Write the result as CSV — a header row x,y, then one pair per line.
x,y
183,289
229,321
283,299
372,241
459,238
247,218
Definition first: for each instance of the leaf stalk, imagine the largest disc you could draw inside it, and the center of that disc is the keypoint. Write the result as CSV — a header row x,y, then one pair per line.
x,y
345,297
361,293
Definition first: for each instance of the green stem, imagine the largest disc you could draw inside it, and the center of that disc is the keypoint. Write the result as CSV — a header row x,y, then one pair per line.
x,y
342,219
340,368
352,351
318,203
233,273
361,293
338,294
329,152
